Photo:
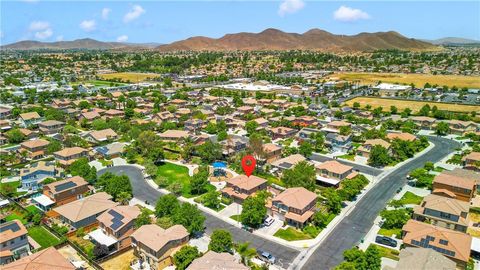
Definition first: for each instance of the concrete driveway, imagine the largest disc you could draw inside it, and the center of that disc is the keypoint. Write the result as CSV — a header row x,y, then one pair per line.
x,y
273,228
232,209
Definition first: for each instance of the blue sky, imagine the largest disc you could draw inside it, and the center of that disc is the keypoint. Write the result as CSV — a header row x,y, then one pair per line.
x,y
167,21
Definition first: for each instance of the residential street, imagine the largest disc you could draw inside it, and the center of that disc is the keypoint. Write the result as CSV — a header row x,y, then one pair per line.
x,y
144,192
356,225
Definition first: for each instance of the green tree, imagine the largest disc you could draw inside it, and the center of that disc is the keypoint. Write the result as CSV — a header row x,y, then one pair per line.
x,y
114,184
345,130
253,211
221,241
251,126
185,256
305,149
442,129
379,156
80,167
211,199
124,197
320,219
143,218
15,136
333,200
301,175
395,219
373,258
190,217
166,206
199,181
165,222
246,252
209,151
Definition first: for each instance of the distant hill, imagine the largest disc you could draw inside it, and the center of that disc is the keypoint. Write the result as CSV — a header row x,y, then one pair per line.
x,y
315,39
86,43
453,40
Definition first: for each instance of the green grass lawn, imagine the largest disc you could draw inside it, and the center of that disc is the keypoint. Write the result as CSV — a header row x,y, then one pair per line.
x,y
291,234
410,198
11,185
388,252
43,237
32,209
348,157
236,217
270,178
391,232
175,173
16,215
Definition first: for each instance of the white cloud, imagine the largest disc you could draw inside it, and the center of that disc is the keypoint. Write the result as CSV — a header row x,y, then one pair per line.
x,y
60,38
38,25
133,14
105,13
348,14
88,25
44,34
290,6
122,38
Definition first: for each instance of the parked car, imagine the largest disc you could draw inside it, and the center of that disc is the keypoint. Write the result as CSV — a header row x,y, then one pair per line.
x,y
268,221
266,257
386,241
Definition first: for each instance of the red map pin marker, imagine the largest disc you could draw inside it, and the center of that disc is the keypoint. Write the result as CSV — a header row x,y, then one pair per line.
x,y
248,164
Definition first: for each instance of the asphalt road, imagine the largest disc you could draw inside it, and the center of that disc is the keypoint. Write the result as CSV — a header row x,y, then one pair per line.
x,y
143,191
356,225
361,168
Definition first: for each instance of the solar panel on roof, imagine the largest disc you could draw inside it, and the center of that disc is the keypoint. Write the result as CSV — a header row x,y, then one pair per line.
x,y
116,220
64,186
12,226
285,165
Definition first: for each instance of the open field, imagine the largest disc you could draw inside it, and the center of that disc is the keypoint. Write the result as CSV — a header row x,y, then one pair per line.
x,y
413,105
418,80
129,76
99,83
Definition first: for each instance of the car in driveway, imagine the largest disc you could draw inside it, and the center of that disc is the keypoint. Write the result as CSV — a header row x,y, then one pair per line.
x,y
268,221
266,257
386,241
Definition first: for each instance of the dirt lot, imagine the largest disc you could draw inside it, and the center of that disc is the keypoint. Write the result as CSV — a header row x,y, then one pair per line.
x,y
413,105
71,254
418,79
129,76
120,262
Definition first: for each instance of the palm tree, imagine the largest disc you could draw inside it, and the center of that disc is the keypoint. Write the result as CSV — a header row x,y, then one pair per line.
x,y
124,198
246,252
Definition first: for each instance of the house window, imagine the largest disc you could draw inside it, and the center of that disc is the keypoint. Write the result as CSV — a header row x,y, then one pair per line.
x,y
443,242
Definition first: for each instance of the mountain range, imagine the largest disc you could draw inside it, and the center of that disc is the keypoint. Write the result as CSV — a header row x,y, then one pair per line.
x,y
269,39
452,41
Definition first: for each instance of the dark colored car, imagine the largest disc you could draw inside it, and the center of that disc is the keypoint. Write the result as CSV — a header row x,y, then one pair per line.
x,y
386,241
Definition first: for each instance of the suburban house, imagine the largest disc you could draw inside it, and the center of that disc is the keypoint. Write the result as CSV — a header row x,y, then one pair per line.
x,y
262,123
241,187
469,175
338,143
234,144
65,191
115,227
282,132
403,136
31,176
178,102
110,151
99,136
287,162
422,259
13,241
332,172
89,116
193,125
35,148
156,246
164,116
424,122
213,260
461,128
444,212
5,113
305,133
51,126
44,259
366,147
67,156
84,212
174,135
272,152
294,205
305,121
471,161
29,119
113,113
335,126
243,110
462,188
452,244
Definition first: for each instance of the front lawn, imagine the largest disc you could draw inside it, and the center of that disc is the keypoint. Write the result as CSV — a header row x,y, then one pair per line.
x,y
291,234
391,232
43,237
236,217
388,252
410,198
348,157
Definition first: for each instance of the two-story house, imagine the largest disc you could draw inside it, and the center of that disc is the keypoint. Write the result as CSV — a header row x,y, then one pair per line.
x,y
471,161
113,113
99,136
213,260
462,188
164,116
234,144
366,147
271,152
13,241
294,205
454,245
51,126
282,132
332,172
29,119
193,125
338,143
115,227
241,187
89,116
403,136
46,259
156,246
67,156
287,162
35,148
174,135
65,191
424,122
444,212
305,121
32,176
461,128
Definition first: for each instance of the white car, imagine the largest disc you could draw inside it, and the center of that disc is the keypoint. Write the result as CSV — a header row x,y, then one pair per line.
x,y
268,221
